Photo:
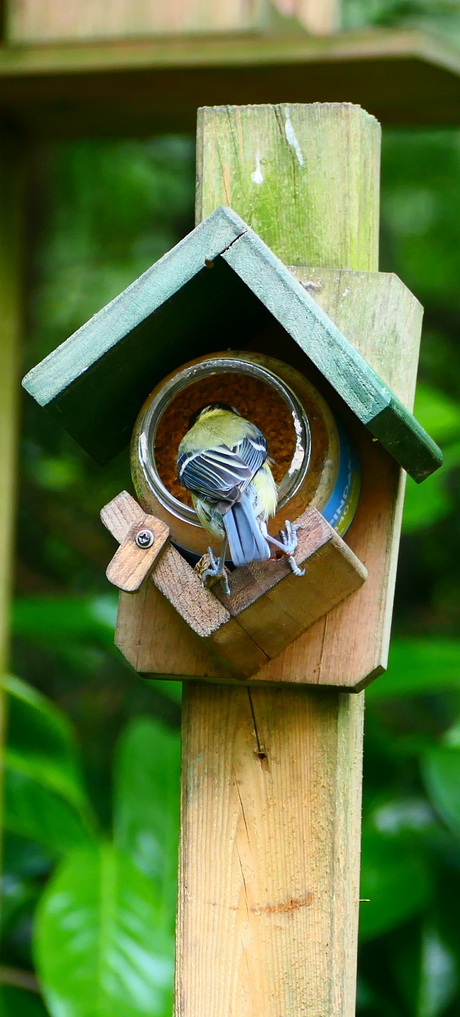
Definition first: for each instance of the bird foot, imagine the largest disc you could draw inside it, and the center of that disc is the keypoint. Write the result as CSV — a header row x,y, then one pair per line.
x,y
216,570
288,544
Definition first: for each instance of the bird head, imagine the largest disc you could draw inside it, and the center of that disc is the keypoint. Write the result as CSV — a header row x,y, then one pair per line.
x,y
210,409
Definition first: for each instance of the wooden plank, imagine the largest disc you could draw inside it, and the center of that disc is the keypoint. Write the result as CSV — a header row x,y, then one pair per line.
x,y
280,616
155,287
211,621
274,606
268,890
133,561
268,607
132,88
54,21
338,361
77,384
120,514
143,620
360,627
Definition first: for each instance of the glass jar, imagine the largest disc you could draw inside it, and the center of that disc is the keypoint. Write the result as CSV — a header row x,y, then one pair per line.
x,y
311,455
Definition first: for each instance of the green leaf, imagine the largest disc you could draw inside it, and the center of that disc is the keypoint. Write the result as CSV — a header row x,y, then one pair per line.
x,y
394,879
441,772
46,620
146,803
32,810
25,858
18,1003
427,505
100,947
168,687
44,795
17,895
418,667
439,975
41,740
438,414
424,968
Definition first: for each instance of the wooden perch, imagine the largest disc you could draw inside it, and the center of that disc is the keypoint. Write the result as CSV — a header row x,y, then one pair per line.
x,y
268,607
141,538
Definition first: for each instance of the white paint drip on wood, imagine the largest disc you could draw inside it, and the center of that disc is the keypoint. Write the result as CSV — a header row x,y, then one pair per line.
x,y
257,177
291,137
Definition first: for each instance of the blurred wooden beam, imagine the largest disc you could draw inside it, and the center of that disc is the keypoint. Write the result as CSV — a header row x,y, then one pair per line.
x,y
78,20
12,209
32,21
139,88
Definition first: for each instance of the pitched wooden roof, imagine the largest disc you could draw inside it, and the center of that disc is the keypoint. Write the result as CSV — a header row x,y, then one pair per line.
x,y
216,288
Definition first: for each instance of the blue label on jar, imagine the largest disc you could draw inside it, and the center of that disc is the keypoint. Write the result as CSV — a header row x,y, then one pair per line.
x,y
342,504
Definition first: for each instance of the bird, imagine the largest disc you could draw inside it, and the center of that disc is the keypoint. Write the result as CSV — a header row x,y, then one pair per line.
x,y
223,461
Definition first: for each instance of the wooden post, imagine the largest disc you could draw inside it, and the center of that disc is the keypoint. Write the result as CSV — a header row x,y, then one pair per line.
x,y
12,196
271,782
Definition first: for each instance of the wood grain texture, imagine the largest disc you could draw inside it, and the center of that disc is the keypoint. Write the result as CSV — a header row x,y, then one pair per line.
x,y
141,87
53,20
157,641
273,606
206,616
286,152
178,582
131,564
269,850
120,514
268,607
267,924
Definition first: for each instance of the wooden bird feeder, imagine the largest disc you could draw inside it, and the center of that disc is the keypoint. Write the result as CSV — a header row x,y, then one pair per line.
x,y
222,280
271,764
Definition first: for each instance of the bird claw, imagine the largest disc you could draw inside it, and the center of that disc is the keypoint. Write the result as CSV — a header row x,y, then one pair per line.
x,y
216,570
294,566
289,537
288,544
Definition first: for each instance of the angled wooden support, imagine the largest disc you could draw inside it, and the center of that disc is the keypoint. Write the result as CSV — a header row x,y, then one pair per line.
x,y
268,606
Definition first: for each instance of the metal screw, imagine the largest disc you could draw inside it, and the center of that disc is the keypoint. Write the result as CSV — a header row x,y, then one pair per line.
x,y
144,539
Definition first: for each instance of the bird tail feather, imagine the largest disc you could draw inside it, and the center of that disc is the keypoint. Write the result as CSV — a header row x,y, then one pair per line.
x,y
246,542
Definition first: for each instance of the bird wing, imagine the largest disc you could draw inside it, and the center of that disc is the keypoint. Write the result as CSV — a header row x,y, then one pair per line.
x,y
219,472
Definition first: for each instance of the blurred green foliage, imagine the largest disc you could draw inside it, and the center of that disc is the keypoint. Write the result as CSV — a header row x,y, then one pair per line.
x,y
93,754
441,16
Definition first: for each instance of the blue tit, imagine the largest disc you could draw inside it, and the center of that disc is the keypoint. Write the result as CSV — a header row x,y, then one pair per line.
x,y
222,460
